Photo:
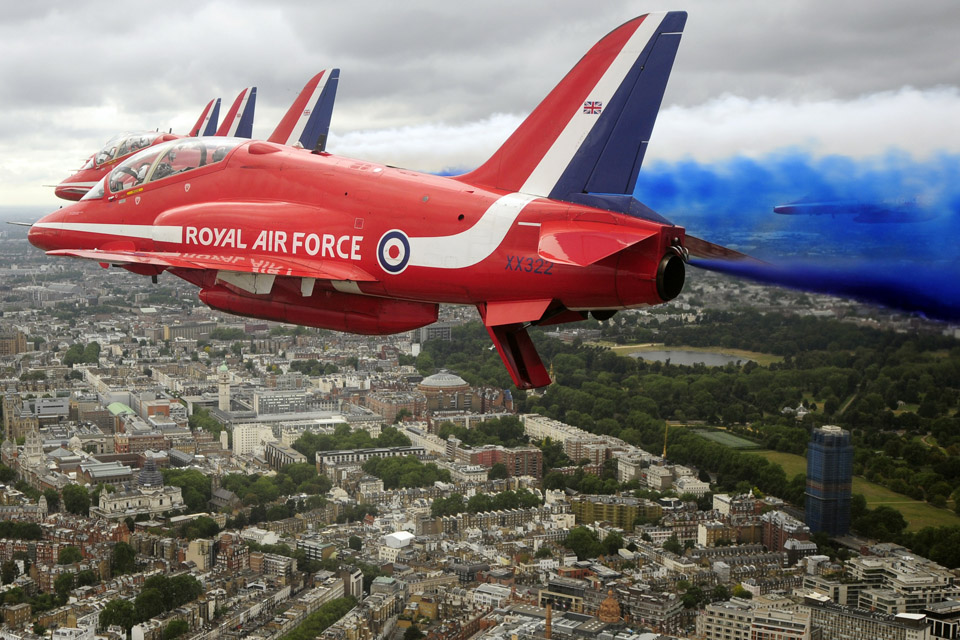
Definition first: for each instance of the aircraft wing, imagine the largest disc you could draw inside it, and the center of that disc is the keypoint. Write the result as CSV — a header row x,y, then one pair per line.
x,y
308,119
256,264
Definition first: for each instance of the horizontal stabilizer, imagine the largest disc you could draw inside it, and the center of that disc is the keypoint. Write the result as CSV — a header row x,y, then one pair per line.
x,y
708,251
327,270
584,243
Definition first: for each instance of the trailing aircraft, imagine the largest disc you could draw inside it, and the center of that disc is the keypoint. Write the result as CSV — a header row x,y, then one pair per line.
x,y
864,211
305,124
124,145
546,231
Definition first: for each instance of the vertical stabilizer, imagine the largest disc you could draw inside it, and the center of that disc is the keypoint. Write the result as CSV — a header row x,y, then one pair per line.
x,y
589,135
204,118
308,119
207,122
238,123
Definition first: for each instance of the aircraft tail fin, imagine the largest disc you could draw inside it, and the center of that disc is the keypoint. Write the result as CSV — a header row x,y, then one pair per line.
x,y
589,135
238,123
207,122
308,119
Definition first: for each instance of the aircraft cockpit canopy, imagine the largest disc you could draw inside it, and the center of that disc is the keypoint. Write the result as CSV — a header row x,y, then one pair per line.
x,y
168,159
122,145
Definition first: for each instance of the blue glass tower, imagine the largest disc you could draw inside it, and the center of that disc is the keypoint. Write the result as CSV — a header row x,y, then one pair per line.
x,y
829,480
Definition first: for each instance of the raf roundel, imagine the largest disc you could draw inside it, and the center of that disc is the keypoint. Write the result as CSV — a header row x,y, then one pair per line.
x,y
393,251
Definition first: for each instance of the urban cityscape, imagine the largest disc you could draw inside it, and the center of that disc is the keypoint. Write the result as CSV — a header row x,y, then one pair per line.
x,y
170,471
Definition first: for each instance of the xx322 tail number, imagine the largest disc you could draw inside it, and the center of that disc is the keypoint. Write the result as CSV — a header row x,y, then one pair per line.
x,y
529,265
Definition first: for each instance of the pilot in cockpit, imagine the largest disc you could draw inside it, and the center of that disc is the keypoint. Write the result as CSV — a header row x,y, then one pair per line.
x,y
165,168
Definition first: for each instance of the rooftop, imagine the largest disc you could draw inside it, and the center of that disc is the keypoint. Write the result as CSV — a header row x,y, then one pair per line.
x,y
444,379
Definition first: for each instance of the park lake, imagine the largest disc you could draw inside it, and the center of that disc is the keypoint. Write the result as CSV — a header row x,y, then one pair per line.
x,y
686,357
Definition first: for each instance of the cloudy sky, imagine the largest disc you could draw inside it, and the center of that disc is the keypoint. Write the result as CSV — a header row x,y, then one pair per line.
x,y
437,86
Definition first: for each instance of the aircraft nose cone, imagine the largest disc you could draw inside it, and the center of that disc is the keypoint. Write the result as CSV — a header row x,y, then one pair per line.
x,y
66,193
45,232
34,237
77,185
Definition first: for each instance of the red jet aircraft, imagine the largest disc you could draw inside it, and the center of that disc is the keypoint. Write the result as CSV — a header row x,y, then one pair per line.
x,y
124,145
544,232
238,122
301,126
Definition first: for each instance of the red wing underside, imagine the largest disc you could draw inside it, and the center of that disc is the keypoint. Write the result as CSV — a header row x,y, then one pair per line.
x,y
325,270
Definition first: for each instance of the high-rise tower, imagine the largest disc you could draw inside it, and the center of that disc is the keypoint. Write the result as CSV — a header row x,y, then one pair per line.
x,y
223,380
829,480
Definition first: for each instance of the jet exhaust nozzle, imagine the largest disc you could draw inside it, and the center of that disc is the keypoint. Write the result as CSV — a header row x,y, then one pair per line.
x,y
671,275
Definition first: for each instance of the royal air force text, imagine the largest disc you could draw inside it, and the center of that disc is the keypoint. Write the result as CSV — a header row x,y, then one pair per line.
x,y
324,245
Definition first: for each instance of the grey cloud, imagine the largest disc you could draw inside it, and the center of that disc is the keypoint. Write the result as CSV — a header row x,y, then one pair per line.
x,y
82,72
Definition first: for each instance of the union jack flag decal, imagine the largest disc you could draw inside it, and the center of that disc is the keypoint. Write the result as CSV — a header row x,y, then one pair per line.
x,y
592,107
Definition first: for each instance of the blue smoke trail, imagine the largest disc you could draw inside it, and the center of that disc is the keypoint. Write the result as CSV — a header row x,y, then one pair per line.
x,y
912,264
929,291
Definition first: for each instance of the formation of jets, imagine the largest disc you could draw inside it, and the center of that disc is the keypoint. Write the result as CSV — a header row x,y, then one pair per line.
x,y
545,231
302,125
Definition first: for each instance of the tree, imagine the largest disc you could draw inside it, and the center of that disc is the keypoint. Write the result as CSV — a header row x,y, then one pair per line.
x,y
149,604
480,503
672,545
720,592
69,555
425,364
63,585
412,633
86,578
9,572
498,472
124,558
194,484
405,472
555,481
693,597
175,629
612,543
53,499
583,542
450,506
882,523
76,499
355,543
118,612
202,420
740,592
